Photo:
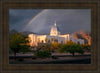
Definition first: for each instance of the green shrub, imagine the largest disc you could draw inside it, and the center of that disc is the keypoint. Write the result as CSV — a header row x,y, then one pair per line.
x,y
86,47
71,48
43,54
79,50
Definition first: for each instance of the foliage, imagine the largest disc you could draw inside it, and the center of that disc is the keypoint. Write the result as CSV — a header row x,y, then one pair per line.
x,y
40,47
18,43
46,46
51,39
70,42
71,48
43,54
55,45
75,49
86,47
63,48
79,50
25,48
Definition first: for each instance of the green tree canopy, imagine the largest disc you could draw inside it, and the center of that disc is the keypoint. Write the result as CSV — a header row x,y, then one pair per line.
x,y
71,48
55,45
18,42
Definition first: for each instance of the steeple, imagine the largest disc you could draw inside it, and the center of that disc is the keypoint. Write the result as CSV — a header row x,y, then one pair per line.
x,y
54,30
55,23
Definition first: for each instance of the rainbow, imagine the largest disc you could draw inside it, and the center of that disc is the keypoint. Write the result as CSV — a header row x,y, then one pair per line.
x,y
34,18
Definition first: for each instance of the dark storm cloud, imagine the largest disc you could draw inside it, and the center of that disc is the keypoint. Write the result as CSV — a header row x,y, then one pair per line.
x,y
18,18
68,20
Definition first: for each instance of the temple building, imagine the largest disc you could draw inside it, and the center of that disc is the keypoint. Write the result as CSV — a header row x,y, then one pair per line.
x,y
55,36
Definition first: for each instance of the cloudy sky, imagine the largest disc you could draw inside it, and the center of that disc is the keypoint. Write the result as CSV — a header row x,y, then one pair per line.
x,y
41,20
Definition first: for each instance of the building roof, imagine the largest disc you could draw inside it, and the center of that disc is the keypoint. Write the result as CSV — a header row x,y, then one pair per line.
x,y
55,28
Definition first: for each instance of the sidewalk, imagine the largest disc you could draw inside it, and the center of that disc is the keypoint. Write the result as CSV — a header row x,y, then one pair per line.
x,y
60,60
31,54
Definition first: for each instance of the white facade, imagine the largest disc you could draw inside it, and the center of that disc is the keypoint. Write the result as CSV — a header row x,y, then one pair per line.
x,y
54,36
54,31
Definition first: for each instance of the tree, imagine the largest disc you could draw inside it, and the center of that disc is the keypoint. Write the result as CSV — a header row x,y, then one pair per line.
x,y
18,43
75,48
63,48
71,48
43,54
80,50
55,45
24,48
48,47
86,47
70,42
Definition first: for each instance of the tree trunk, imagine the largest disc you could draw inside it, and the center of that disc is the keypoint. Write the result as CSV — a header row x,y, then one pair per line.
x,y
14,55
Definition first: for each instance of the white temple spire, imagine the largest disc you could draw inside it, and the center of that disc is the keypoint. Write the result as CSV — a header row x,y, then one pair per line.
x,y
55,23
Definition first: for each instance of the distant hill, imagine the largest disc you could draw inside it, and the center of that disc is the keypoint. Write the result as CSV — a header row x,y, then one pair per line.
x,y
24,32
83,35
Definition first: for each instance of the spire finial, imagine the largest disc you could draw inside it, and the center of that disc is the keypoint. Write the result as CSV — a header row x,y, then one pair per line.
x,y
55,23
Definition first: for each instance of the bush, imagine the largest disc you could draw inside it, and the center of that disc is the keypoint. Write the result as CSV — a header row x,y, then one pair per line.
x,y
79,50
55,45
43,54
71,48
63,48
86,47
